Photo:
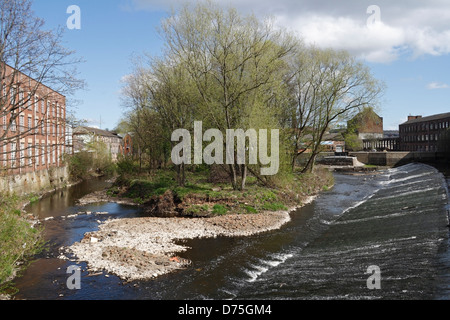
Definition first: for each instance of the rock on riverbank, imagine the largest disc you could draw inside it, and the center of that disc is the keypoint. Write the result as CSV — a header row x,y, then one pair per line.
x,y
144,248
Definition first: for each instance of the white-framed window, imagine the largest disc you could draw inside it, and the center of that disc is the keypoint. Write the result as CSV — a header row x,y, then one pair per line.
x,y
43,152
13,154
30,123
21,122
22,154
36,103
30,155
37,156
13,95
21,99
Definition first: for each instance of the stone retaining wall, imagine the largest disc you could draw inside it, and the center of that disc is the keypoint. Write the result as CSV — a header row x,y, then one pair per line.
x,y
35,182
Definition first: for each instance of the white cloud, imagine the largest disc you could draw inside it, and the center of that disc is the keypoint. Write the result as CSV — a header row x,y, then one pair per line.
x,y
437,85
415,27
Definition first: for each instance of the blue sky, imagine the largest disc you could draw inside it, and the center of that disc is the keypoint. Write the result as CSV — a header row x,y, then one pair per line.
x,y
408,47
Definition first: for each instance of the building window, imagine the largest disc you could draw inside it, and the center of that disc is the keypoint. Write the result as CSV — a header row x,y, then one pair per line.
x,y
21,123
29,105
22,154
30,155
37,154
13,96
13,154
4,123
43,152
36,126
30,124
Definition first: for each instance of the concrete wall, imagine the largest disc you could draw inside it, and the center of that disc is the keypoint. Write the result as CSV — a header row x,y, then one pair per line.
x,y
35,182
392,159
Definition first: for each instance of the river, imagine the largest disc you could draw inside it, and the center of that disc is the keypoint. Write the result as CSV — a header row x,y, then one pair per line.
x,y
395,220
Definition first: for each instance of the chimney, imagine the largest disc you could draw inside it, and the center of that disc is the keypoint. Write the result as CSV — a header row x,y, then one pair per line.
x,y
413,117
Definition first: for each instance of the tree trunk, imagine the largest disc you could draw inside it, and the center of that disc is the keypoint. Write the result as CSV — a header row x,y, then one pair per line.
x,y
310,165
233,176
181,177
243,176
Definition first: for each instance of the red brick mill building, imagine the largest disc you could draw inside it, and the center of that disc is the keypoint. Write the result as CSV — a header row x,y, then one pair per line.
x,y
32,124
423,133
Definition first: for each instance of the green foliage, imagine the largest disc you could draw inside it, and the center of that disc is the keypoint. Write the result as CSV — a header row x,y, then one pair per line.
x,y
196,209
94,161
126,165
353,143
18,239
80,165
249,209
219,209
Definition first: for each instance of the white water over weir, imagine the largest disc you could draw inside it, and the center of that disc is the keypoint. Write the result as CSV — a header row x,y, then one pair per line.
x,y
402,227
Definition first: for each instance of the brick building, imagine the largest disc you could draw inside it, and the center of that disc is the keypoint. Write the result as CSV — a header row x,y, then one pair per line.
x,y
367,125
32,124
423,133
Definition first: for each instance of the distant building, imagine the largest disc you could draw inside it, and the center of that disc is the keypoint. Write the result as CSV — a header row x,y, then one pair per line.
x,y
367,125
83,136
423,133
334,142
391,134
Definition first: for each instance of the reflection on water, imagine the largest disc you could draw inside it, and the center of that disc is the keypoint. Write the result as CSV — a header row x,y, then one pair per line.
x,y
396,220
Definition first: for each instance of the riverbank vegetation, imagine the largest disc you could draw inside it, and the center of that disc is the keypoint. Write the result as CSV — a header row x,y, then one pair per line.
x,y
232,72
207,191
93,162
19,238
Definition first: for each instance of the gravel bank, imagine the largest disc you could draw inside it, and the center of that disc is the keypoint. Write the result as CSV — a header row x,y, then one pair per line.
x,y
145,248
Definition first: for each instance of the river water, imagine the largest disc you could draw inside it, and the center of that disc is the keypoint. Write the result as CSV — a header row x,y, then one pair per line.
x,y
396,220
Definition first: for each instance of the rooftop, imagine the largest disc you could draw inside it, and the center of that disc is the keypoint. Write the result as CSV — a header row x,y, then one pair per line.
x,y
96,131
429,118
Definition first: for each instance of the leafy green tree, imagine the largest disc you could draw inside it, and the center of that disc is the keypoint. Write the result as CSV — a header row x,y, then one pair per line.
x,y
236,63
329,86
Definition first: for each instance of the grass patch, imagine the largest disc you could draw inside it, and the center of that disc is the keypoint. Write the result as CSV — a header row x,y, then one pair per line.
x,y
249,209
219,209
274,207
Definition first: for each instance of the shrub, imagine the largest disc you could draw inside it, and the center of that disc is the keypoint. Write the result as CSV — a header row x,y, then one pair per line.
x,y
126,165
